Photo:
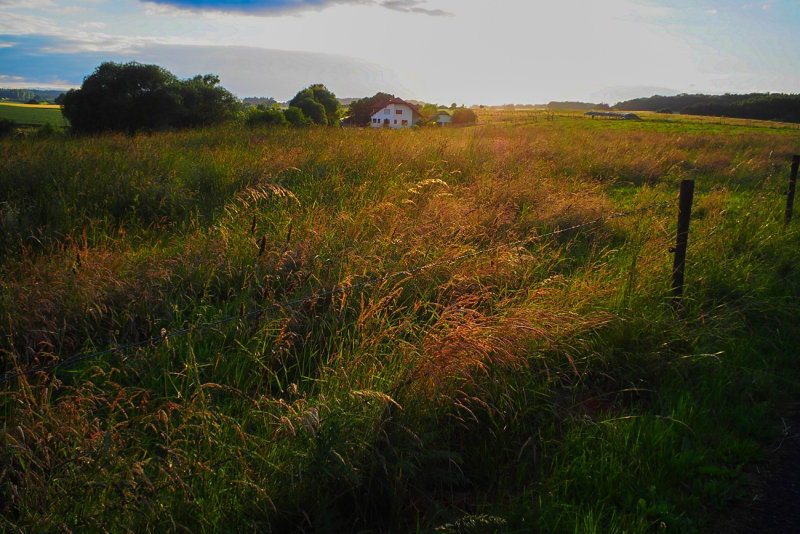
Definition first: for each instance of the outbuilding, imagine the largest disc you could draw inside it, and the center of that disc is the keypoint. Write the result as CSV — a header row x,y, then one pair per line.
x,y
442,118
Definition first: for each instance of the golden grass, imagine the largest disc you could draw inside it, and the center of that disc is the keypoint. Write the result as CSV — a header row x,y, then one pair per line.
x,y
242,418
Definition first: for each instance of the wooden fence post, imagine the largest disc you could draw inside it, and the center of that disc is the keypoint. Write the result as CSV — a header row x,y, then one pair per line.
x,y
790,193
684,216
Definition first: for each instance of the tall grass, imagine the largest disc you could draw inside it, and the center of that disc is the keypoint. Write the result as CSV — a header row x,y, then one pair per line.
x,y
548,386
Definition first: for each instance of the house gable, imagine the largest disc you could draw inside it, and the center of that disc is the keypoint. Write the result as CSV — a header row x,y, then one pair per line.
x,y
395,114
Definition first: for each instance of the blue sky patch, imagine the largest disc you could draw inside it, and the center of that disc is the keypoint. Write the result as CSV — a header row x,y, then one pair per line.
x,y
250,6
29,57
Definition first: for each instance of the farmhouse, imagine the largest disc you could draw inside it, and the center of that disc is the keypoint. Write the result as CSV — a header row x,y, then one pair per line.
x,y
394,113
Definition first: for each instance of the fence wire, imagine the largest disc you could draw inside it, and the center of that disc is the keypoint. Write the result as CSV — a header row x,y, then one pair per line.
x,y
164,335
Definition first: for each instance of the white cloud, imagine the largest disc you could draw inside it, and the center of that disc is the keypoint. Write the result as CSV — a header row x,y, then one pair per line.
x,y
503,51
26,4
20,82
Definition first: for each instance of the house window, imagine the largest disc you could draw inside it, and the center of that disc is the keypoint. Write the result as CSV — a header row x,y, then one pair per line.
x,y
395,121
405,122
398,112
387,111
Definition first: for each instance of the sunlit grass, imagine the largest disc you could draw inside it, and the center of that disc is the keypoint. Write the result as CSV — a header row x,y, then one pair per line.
x,y
546,386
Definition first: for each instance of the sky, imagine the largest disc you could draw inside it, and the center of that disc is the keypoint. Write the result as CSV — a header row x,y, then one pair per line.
x,y
442,51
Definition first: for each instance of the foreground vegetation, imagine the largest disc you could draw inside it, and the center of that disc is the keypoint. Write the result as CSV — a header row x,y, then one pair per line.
x,y
548,386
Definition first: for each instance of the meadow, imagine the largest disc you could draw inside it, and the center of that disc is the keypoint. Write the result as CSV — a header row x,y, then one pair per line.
x,y
33,115
349,330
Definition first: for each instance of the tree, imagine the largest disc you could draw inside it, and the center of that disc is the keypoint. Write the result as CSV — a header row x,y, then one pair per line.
x,y
123,97
7,127
131,96
361,110
428,111
318,104
203,101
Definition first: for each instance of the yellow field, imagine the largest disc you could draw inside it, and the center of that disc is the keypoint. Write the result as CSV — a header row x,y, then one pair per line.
x,y
37,106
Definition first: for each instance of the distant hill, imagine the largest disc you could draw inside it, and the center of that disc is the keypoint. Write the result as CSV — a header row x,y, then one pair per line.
x,y
763,106
26,95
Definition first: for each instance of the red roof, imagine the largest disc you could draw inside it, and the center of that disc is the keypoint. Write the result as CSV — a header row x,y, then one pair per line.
x,y
399,101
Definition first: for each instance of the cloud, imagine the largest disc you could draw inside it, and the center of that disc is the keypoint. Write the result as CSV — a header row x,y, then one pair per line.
x,y
279,7
27,4
412,6
253,7
19,82
246,71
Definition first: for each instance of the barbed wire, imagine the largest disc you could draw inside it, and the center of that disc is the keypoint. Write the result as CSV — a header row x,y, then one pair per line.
x,y
164,335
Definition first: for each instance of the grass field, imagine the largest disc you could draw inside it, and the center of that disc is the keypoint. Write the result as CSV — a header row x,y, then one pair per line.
x,y
548,385
33,115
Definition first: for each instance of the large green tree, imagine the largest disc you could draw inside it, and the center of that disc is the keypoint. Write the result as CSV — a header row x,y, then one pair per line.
x,y
318,104
133,96
203,101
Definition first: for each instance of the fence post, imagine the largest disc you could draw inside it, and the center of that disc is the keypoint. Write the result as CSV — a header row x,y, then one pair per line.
x,y
684,216
790,194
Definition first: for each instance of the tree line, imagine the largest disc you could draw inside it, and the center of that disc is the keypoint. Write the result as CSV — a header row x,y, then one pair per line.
x,y
131,97
30,95
762,106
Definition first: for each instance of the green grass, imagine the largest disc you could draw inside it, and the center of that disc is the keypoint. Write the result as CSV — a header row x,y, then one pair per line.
x,y
32,115
549,387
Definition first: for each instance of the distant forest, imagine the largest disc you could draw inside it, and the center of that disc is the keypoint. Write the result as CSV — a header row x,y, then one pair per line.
x,y
259,101
763,106
26,95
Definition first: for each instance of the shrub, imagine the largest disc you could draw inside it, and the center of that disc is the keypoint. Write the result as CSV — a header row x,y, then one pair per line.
x,y
7,127
296,117
464,116
318,104
259,115
46,130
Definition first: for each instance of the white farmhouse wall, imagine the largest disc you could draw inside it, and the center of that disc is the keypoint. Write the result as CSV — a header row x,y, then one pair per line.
x,y
398,115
